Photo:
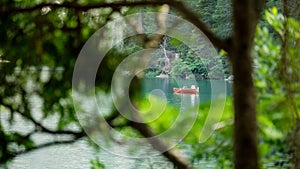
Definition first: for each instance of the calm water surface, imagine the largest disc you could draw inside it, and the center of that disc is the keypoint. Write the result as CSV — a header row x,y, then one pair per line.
x,y
79,154
205,91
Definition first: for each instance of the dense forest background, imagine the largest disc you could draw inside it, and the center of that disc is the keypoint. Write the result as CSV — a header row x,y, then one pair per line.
x,y
257,43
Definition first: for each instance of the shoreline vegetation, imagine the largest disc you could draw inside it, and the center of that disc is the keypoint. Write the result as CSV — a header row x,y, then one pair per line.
x,y
164,76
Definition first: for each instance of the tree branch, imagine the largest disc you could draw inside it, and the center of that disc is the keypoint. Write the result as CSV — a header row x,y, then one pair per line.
x,y
42,128
76,138
172,155
178,5
114,5
194,19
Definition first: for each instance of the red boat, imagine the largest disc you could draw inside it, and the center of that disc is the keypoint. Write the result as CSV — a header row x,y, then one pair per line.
x,y
185,91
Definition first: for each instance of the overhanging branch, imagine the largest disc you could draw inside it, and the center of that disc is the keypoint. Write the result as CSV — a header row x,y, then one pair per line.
x,y
76,138
171,154
42,128
194,19
114,5
178,5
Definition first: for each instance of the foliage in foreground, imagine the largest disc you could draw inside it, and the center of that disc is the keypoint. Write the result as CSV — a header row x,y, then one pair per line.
x,y
69,31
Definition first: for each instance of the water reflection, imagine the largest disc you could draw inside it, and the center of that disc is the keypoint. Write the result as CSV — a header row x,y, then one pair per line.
x,y
167,85
187,100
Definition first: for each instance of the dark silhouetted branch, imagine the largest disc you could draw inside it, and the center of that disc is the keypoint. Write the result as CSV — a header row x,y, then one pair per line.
x,y
178,5
171,154
76,138
194,19
114,5
40,127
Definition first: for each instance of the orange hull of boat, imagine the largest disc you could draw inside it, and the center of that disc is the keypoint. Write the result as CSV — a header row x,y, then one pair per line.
x,y
187,91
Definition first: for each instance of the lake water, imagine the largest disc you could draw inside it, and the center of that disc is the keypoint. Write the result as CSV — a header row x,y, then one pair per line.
x,y
205,90
79,154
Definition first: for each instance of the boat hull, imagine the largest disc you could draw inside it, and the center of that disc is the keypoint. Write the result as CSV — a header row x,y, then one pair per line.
x,y
185,91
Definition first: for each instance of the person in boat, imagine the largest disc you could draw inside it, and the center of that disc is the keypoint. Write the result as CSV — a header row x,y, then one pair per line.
x,y
184,87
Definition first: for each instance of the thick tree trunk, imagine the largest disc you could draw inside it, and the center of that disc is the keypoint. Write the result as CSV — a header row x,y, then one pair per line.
x,y
246,15
245,126
296,145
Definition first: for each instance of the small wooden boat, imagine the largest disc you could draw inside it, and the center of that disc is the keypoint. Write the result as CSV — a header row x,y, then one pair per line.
x,y
186,91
